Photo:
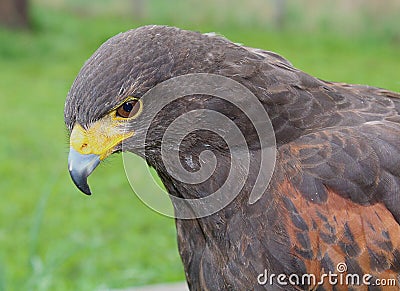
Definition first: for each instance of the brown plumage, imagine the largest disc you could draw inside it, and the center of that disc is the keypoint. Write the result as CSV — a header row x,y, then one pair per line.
x,y
334,196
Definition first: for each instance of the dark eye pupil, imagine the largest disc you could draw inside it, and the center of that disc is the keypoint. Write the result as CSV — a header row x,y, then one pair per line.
x,y
128,109
128,106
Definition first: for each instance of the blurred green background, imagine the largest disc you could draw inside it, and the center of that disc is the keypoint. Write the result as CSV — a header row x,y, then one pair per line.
x,y
54,238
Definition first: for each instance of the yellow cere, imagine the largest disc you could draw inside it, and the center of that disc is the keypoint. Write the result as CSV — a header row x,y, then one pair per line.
x,y
100,139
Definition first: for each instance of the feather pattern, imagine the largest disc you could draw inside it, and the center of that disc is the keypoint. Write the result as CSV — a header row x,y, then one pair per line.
x,y
335,194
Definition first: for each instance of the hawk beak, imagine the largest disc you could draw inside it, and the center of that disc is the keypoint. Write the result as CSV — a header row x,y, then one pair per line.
x,y
90,146
80,166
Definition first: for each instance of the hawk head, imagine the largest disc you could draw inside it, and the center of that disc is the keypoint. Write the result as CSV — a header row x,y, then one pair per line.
x,y
104,109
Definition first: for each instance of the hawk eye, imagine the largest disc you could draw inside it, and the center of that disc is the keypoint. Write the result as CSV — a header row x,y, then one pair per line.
x,y
129,109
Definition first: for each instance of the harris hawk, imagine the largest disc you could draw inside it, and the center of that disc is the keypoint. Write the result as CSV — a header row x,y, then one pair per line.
x,y
334,195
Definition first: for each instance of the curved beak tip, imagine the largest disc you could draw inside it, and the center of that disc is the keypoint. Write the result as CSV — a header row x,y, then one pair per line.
x,y
81,183
80,166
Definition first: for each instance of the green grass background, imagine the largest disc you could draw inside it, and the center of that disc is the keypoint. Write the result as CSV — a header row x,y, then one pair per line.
x,y
52,237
